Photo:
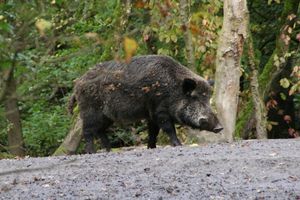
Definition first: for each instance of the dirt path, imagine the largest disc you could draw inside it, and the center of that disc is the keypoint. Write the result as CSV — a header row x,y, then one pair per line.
x,y
242,170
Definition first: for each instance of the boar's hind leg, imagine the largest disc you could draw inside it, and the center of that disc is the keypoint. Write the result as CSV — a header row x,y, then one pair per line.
x,y
153,130
166,124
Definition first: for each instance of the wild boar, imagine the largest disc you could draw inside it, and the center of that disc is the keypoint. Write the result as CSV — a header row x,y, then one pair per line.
x,y
155,88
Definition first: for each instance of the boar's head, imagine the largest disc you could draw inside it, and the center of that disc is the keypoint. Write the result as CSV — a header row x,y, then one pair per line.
x,y
193,109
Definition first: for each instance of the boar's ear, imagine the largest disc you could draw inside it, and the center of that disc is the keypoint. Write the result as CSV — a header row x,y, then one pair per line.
x,y
211,82
188,86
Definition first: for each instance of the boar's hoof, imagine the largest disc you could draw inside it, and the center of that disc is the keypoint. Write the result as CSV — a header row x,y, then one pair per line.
x,y
176,143
151,146
89,149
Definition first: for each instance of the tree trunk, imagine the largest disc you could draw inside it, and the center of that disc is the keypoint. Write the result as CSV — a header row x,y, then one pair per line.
x,y
72,140
228,71
15,139
259,107
270,71
185,15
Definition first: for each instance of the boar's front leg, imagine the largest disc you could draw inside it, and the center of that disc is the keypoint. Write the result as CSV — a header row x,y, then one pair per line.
x,y
104,124
95,123
166,124
153,130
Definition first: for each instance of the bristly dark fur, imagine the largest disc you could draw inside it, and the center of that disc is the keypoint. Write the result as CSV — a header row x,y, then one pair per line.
x,y
155,88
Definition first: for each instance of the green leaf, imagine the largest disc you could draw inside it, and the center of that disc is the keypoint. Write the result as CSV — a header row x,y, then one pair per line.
x,y
5,27
282,96
161,38
285,83
282,60
269,2
167,39
294,88
277,63
174,38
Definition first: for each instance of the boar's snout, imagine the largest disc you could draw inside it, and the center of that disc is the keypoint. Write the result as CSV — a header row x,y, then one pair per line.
x,y
211,125
218,128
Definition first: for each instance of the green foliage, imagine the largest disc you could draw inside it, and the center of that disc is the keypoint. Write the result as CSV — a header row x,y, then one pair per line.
x,y
167,29
3,130
270,1
243,118
122,137
44,128
297,101
264,27
57,41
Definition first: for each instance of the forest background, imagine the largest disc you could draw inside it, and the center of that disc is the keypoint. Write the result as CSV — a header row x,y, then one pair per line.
x,y
46,45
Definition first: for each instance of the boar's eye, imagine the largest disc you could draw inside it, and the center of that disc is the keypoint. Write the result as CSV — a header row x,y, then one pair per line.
x,y
205,96
188,86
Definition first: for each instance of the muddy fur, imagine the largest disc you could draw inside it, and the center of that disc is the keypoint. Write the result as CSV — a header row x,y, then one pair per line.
x,y
155,88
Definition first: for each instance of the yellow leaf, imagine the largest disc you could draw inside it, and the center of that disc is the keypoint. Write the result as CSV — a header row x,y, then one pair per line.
x,y
130,47
42,25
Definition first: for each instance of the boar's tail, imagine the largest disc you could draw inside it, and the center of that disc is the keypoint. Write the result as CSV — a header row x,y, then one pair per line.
x,y
72,104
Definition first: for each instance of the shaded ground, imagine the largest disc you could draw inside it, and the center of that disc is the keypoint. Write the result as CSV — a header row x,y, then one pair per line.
x,y
242,170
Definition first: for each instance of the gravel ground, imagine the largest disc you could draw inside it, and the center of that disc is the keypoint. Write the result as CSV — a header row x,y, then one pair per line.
x,y
254,169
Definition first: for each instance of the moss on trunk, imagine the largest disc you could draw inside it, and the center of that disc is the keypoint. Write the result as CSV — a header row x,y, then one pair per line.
x,y
72,140
269,70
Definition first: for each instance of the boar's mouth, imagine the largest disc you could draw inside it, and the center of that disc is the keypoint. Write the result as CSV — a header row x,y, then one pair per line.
x,y
202,126
217,129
